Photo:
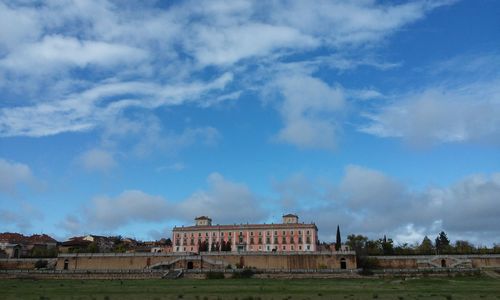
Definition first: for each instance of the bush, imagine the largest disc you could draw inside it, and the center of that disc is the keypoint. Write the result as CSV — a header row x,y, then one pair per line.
x,y
40,264
246,273
214,275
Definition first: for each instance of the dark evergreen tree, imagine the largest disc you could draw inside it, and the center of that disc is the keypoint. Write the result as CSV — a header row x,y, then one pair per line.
x,y
387,246
442,243
338,241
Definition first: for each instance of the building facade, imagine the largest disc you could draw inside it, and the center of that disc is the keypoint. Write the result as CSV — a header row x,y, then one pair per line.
x,y
289,236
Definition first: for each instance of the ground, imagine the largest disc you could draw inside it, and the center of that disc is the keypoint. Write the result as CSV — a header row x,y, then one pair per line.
x,y
254,289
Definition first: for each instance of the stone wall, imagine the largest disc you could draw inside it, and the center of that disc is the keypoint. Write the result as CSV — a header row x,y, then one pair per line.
x,y
439,261
136,261
22,263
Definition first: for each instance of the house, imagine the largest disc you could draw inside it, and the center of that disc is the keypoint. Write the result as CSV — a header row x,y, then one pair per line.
x,y
36,245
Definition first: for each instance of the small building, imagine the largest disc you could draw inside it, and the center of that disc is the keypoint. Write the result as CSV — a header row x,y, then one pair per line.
x,y
11,250
29,245
288,236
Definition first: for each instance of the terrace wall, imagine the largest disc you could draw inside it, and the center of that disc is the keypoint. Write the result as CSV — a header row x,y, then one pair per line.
x,y
439,261
136,261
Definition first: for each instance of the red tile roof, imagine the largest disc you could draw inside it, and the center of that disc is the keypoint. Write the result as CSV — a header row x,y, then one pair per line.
x,y
13,237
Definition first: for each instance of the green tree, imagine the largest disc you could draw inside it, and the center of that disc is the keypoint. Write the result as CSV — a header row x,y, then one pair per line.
x,y
338,241
374,247
426,247
387,246
464,247
357,243
442,243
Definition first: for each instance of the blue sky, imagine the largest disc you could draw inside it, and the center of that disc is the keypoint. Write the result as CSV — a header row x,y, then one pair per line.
x,y
380,116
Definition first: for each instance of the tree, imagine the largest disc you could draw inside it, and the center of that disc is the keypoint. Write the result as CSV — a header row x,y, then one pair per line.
x,y
357,243
442,243
464,247
426,246
387,246
338,241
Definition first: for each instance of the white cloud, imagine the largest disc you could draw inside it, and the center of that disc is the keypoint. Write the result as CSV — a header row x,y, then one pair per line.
x,y
56,52
223,196
130,206
106,214
308,111
369,202
13,174
223,46
97,160
85,110
467,113
137,55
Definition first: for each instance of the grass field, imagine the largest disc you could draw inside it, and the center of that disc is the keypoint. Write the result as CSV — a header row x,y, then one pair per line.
x,y
254,289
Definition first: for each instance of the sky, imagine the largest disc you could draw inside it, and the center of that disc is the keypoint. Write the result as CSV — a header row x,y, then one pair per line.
x,y
128,118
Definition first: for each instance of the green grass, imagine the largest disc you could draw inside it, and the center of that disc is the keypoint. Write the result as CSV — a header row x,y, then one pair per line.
x,y
254,289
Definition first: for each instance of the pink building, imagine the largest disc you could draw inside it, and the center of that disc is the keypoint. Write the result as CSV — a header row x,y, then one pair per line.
x,y
289,236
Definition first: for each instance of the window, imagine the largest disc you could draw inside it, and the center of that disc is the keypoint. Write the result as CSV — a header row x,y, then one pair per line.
x,y
241,233
291,232
283,241
206,233
300,232
284,248
177,235
284,233
199,233
184,234
192,241
308,240
275,233
177,249
251,233
222,234
268,233
268,240
260,240
241,239
260,247
300,247
260,233
251,240
300,240
291,247
291,240
275,239
307,232
308,247
230,234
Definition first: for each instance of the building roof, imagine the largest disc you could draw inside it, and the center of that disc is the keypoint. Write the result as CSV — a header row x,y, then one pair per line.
x,y
202,218
245,227
17,238
76,241
290,215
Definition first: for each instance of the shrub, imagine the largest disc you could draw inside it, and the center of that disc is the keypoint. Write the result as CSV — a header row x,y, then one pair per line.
x,y
40,264
245,273
214,275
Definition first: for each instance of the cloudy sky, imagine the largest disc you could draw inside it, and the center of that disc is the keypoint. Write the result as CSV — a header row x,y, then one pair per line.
x,y
121,118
